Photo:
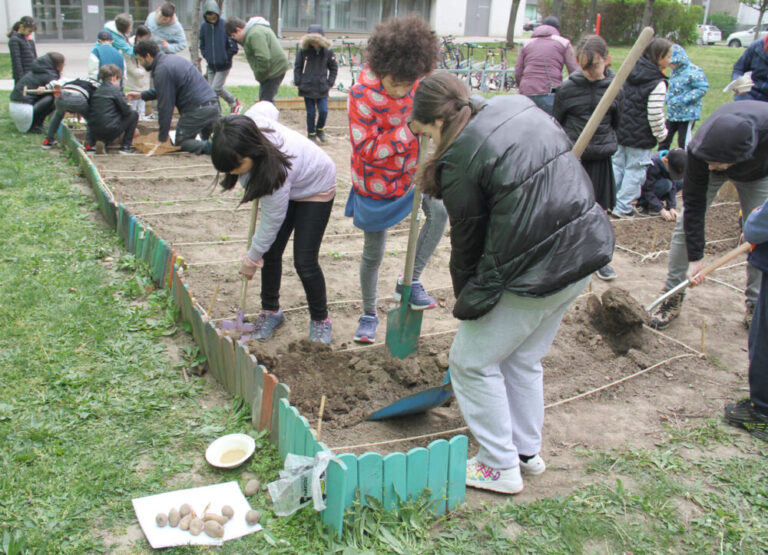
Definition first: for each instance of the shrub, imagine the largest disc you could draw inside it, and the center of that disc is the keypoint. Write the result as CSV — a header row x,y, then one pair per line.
x,y
621,19
725,22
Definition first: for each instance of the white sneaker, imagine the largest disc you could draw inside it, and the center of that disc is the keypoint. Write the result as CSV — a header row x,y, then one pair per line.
x,y
480,476
534,466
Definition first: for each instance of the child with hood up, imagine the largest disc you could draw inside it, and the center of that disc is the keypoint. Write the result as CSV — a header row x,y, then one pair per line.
x,y
687,87
218,50
314,72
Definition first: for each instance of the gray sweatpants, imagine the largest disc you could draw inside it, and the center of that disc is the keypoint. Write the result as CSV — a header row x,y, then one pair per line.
x,y
375,243
751,195
217,79
497,376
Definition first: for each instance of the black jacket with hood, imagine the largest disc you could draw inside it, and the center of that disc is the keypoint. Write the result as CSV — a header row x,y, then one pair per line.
x,y
177,83
736,133
635,131
315,67
43,72
106,110
522,211
215,46
23,54
575,101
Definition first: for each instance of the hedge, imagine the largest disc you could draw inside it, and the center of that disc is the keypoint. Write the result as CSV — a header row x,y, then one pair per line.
x,y
622,19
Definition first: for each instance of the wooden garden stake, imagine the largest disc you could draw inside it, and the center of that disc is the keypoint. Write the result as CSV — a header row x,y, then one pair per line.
x,y
703,333
213,299
320,417
590,286
653,241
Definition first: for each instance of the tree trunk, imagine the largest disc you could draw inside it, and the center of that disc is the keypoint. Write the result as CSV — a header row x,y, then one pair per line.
x,y
274,16
512,21
763,6
647,13
557,8
194,39
593,14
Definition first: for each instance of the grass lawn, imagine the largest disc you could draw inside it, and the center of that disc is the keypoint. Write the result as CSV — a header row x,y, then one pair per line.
x,y
6,70
94,412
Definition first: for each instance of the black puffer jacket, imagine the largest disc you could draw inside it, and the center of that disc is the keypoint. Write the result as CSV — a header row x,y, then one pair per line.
x,y
315,68
523,215
736,133
635,131
43,72
23,54
106,109
575,101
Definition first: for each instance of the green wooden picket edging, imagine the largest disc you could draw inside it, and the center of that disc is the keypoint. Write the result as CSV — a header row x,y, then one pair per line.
x,y
391,479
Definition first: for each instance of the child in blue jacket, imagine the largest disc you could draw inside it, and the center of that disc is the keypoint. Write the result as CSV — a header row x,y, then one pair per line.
x,y
687,87
218,50
752,413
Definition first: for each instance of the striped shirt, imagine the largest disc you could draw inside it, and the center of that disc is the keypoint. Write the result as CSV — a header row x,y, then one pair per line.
x,y
656,111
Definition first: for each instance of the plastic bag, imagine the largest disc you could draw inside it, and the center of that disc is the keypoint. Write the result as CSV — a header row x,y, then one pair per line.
x,y
302,480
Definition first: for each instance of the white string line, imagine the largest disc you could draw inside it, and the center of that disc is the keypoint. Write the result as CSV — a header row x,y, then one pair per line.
x,y
290,256
175,178
341,302
546,407
181,200
187,212
740,291
110,170
673,340
236,240
730,266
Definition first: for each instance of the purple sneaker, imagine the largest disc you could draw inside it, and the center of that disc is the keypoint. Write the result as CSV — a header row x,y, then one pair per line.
x,y
420,299
266,324
366,329
320,331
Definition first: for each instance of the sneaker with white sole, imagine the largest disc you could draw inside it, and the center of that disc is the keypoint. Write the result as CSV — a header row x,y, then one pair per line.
x,y
266,324
481,476
606,273
420,299
366,328
534,466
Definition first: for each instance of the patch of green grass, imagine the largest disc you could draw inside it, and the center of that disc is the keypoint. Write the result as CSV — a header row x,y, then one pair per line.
x,y
6,69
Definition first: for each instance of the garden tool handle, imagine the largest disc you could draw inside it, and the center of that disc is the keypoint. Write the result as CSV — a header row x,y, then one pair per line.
x,y
410,256
251,230
613,89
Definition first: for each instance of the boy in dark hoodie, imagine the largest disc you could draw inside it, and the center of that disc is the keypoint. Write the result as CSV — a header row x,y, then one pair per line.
x,y
314,73
752,413
109,114
663,179
29,110
732,145
218,50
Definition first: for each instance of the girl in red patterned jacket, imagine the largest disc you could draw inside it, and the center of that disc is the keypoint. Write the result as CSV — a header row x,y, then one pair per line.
x,y
384,154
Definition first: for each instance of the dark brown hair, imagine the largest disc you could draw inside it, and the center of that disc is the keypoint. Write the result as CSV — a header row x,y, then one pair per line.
x,y
657,49
589,47
123,22
167,9
405,48
233,24
108,71
57,59
446,97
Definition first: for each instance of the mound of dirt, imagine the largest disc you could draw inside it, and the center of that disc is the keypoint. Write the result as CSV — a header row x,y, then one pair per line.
x,y
619,317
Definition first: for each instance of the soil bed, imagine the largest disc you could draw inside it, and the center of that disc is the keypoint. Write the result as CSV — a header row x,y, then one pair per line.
x,y
173,194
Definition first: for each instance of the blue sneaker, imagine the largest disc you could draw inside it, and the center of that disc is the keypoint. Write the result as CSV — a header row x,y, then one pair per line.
x,y
320,331
366,329
420,299
266,324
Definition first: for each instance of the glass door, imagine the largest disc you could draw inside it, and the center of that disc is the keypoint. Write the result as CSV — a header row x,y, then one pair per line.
x,y
71,12
44,12
59,19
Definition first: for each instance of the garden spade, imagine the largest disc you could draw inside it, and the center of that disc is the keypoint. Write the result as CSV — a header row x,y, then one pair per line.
x,y
244,329
435,396
404,323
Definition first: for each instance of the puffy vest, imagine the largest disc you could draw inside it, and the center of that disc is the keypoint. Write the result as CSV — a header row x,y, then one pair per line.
x,y
635,131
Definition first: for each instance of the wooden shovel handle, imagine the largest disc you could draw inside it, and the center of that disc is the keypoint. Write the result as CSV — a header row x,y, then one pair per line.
x,y
251,230
645,38
727,257
410,256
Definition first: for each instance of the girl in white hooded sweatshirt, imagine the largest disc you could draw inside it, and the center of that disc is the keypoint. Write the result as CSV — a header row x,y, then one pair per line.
x,y
295,182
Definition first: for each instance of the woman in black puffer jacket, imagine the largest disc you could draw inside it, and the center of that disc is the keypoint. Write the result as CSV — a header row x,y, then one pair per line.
x,y
526,233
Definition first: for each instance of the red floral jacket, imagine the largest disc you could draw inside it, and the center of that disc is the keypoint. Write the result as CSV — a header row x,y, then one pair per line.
x,y
384,151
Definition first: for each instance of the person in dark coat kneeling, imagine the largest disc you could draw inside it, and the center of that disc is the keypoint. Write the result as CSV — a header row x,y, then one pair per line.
x,y
526,233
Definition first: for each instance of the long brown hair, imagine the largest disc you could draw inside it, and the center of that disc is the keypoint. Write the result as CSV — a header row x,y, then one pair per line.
x,y
440,96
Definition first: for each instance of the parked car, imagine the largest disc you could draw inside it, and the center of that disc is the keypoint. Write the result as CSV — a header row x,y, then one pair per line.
x,y
531,25
708,34
745,38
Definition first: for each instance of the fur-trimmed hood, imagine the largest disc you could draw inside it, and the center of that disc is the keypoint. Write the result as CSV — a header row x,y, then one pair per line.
x,y
314,40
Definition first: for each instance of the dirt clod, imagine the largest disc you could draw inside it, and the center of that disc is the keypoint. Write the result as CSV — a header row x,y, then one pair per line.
x,y
619,317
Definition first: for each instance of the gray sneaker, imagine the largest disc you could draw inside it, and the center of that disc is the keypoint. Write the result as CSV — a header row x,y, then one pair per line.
x,y
667,311
266,324
320,331
748,315
606,273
